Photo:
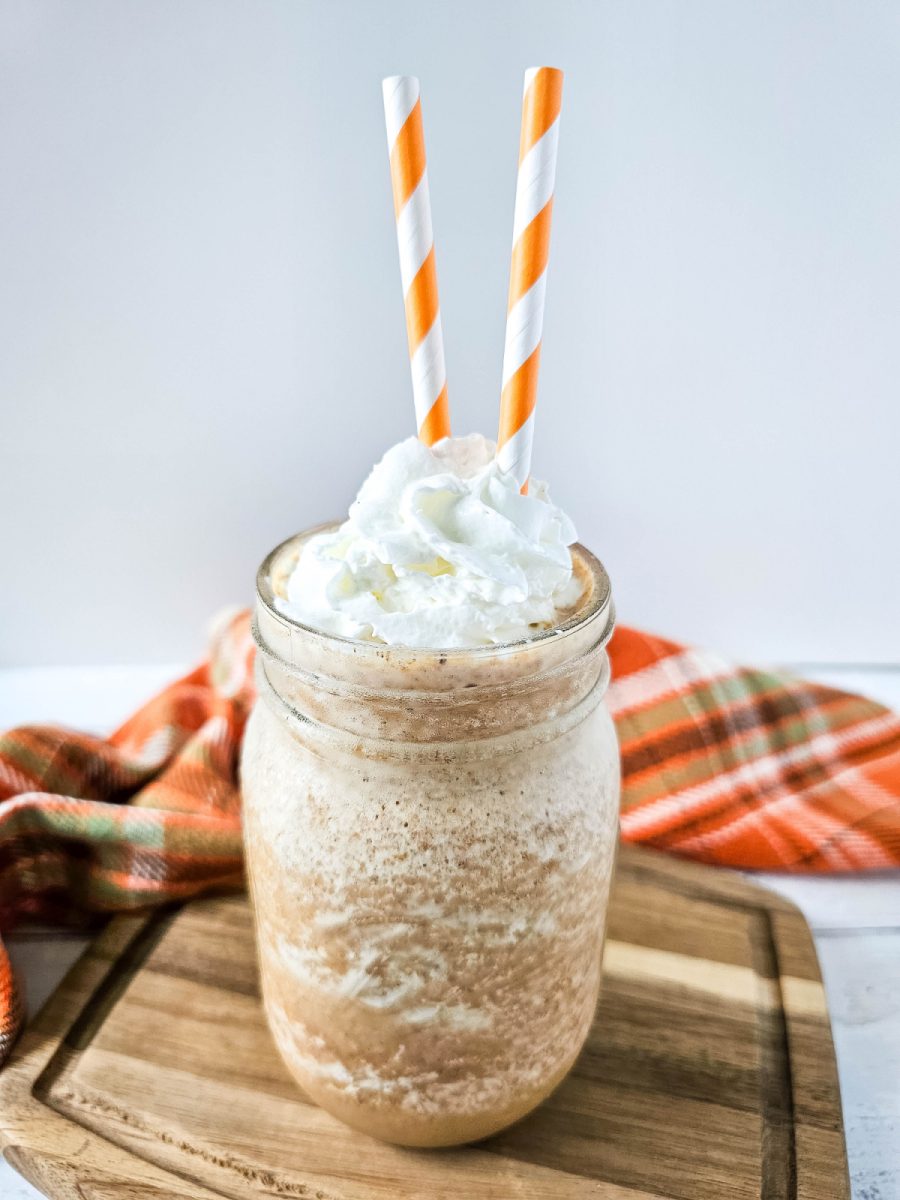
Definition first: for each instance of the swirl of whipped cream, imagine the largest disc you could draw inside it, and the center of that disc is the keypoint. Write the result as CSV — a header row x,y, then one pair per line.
x,y
439,550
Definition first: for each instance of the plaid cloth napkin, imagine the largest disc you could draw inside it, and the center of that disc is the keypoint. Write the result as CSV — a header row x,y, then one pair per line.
x,y
721,764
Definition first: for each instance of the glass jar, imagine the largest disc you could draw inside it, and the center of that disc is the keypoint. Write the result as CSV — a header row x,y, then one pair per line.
x,y
430,839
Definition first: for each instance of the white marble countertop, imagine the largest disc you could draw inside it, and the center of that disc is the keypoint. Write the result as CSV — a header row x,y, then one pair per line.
x,y
855,921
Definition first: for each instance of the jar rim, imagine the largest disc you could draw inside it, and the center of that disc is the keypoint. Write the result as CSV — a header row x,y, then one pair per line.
x,y
595,609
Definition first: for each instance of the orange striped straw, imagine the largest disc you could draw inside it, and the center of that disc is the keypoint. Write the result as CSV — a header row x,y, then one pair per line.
x,y
528,276
412,210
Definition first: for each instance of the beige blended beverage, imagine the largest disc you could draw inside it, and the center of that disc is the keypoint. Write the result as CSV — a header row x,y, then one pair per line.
x,y
430,832
430,778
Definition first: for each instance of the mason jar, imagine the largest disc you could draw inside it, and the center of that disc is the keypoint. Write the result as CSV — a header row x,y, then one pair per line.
x,y
430,838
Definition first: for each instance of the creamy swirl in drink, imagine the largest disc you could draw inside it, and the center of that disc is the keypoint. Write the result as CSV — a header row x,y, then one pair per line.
x,y
431,792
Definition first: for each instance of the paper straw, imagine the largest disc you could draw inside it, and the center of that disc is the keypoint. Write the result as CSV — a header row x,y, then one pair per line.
x,y
415,238
528,275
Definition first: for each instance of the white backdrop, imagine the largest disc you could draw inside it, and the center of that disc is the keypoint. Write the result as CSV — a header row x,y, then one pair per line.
x,y
202,332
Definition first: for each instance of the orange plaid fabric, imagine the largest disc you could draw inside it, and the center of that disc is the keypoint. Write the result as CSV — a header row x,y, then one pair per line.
x,y
753,769
720,763
148,815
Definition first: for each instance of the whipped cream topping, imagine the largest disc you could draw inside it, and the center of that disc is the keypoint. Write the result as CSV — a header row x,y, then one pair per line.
x,y
439,550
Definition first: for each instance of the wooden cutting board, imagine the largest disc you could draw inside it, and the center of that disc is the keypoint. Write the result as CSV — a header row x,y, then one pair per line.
x,y
709,1073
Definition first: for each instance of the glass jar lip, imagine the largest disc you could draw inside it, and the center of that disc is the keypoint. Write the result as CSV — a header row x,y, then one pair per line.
x,y
596,609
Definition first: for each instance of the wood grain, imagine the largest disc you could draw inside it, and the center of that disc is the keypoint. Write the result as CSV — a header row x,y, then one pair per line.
x,y
709,1071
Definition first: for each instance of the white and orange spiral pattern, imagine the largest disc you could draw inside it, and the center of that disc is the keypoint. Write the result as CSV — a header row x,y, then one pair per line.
x,y
412,210
528,276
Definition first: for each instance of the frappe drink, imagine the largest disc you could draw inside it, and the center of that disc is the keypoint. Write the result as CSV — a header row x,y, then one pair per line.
x,y
430,777
431,786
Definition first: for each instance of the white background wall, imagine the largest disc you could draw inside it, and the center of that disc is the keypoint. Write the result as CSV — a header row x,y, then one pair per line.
x,y
201,334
